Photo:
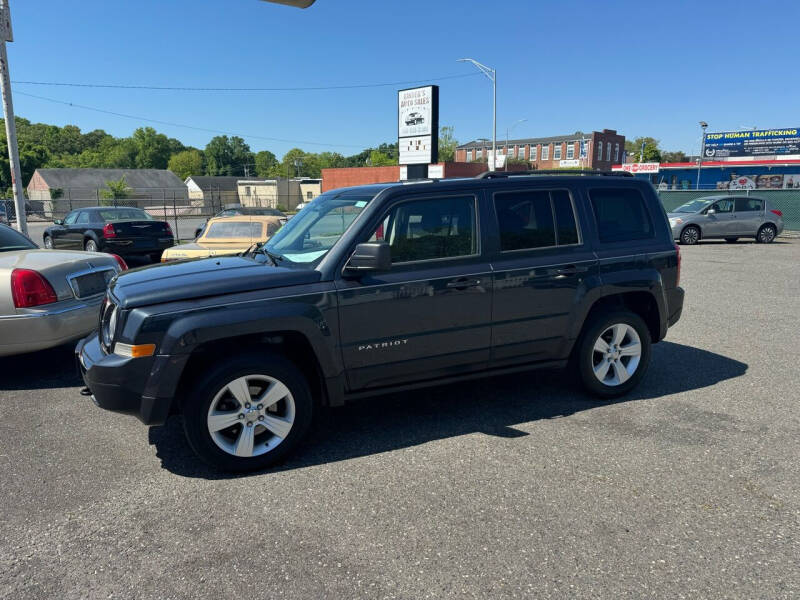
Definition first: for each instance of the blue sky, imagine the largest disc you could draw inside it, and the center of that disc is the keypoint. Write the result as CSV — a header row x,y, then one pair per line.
x,y
643,68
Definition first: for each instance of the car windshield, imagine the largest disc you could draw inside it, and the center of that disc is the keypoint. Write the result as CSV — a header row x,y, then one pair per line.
x,y
306,238
13,240
124,214
694,205
234,230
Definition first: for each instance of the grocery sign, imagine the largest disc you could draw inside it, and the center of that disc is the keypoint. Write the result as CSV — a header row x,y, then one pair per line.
x,y
651,167
745,144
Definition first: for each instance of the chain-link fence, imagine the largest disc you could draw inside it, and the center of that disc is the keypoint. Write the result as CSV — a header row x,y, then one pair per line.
x,y
184,213
786,201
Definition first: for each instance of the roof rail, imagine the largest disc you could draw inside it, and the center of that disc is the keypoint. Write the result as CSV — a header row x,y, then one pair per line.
x,y
504,174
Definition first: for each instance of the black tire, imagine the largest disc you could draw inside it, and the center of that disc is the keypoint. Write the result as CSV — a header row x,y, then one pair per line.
x,y
690,235
586,358
732,240
766,234
197,404
156,257
90,246
48,242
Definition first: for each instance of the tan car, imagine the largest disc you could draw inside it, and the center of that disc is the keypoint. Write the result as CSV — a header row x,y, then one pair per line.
x,y
226,236
49,297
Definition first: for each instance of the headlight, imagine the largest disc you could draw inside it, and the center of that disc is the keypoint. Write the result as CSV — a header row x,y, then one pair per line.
x,y
675,221
108,323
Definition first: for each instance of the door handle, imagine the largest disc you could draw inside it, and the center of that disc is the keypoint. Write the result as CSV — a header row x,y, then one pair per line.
x,y
568,270
462,284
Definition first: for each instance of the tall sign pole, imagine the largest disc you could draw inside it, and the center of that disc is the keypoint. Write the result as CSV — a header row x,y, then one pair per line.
x,y
8,111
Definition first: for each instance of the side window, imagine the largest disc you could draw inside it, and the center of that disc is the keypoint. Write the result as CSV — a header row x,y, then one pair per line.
x,y
723,206
621,215
70,218
83,218
748,205
535,219
430,229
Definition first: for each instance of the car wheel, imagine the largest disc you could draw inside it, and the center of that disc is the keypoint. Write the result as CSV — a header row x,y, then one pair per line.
x,y
766,234
48,242
156,257
613,354
90,246
731,240
248,412
690,235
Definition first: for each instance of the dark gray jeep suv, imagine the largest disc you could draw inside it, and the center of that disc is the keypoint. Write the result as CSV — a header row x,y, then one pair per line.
x,y
390,287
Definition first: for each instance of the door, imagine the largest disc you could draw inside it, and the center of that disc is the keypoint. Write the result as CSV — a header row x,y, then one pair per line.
x,y
538,271
76,230
429,316
60,233
719,223
749,215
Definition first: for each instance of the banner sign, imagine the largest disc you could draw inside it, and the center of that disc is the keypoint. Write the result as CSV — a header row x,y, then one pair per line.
x,y
569,162
760,142
418,125
651,167
498,162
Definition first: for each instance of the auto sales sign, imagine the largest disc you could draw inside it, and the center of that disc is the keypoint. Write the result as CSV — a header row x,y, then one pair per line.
x,y
756,143
418,125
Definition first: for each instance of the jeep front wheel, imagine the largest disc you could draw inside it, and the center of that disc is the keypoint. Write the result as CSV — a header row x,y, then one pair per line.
x,y
613,354
248,412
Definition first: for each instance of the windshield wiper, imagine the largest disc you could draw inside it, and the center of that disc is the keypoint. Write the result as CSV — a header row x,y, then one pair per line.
x,y
260,248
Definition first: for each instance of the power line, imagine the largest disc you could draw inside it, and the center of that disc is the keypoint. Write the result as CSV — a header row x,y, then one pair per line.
x,y
171,124
232,89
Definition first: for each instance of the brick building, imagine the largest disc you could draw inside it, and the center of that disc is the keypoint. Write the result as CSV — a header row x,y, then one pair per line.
x,y
603,149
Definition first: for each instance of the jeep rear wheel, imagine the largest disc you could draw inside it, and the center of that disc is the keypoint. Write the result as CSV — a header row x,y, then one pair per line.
x,y
248,412
613,354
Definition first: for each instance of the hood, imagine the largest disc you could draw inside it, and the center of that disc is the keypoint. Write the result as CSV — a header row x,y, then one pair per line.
x,y
679,215
181,280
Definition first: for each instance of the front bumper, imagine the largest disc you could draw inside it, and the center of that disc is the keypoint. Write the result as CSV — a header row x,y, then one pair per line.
x,y
143,387
48,327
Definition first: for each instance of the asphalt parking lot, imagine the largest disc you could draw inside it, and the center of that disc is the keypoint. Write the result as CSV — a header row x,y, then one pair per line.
x,y
517,486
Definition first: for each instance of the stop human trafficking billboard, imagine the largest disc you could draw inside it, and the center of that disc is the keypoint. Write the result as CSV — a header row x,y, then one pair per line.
x,y
755,143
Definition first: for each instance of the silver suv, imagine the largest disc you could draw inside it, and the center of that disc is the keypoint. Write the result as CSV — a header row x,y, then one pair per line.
x,y
726,217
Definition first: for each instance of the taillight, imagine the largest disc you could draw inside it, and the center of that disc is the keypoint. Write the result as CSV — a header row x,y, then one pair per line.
x,y
169,229
379,233
678,250
29,289
108,231
777,212
123,266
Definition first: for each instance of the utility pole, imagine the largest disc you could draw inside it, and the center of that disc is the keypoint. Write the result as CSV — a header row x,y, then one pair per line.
x,y
491,74
6,35
703,126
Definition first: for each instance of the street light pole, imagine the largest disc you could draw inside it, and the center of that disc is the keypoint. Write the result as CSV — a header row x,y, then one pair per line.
x,y
703,126
491,74
8,112
517,122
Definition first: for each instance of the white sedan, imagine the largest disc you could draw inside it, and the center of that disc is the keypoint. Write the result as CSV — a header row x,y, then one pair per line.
x,y
49,297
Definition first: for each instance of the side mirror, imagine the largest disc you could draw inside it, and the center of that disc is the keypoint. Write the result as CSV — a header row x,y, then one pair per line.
x,y
59,222
370,257
711,211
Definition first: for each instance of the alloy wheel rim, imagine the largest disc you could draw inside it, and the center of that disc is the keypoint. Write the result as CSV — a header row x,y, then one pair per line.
x,y
616,354
48,243
767,234
690,235
251,415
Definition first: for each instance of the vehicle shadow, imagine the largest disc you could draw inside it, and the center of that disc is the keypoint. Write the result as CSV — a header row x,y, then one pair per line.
x,y
46,369
490,406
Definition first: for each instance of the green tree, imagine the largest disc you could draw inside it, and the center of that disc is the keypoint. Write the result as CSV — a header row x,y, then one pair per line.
x,y
672,157
152,148
227,155
331,160
266,163
115,190
185,163
296,162
651,151
380,159
447,144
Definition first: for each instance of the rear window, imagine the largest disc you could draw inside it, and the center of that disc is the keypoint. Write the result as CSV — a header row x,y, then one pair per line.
x,y
748,205
124,214
621,215
535,219
237,229
13,240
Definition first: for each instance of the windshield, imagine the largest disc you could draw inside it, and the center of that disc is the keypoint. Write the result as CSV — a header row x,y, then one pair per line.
x,y
124,214
307,237
13,240
694,205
